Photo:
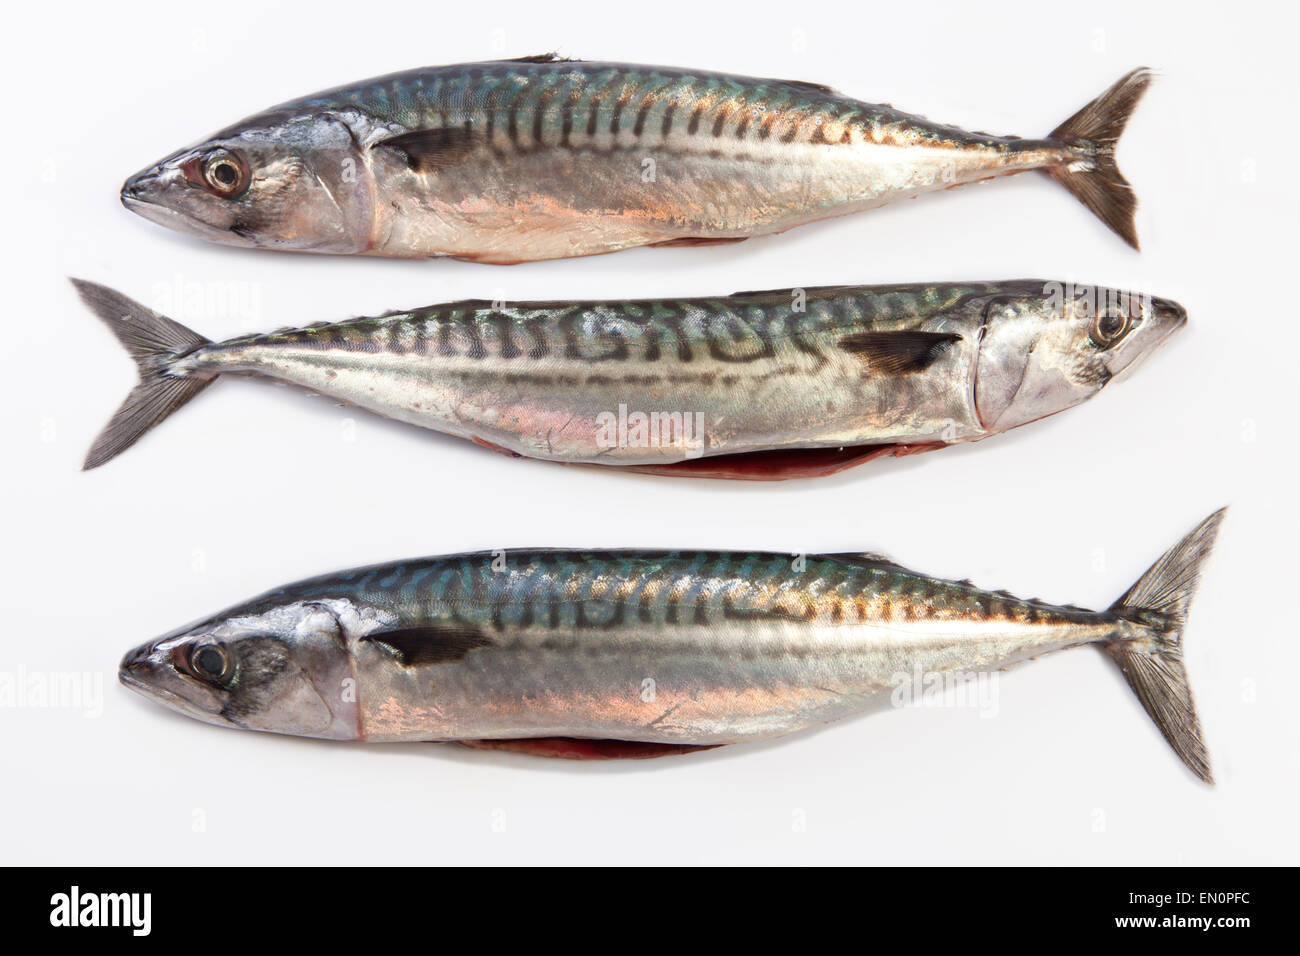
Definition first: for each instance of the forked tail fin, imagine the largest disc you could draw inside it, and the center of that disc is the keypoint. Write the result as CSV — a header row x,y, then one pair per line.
x,y
1152,663
153,341
1094,179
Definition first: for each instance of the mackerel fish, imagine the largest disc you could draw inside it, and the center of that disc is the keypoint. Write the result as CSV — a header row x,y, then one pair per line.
x,y
762,385
641,653
542,158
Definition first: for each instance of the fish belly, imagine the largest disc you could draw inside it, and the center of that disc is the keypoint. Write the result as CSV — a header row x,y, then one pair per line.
x,y
628,413
686,686
681,647
560,202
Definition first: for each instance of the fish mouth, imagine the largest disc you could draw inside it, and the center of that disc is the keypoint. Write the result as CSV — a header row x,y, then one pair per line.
x,y
142,194
145,671
1167,317
146,689
138,191
155,211
143,207
1170,315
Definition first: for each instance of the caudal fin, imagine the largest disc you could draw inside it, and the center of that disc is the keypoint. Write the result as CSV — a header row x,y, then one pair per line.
x,y
1094,179
153,341
1152,663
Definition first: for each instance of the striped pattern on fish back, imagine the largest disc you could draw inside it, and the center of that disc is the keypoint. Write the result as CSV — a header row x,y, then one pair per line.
x,y
607,590
521,106
734,330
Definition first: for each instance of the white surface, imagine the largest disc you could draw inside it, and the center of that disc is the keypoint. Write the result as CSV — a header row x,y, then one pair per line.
x,y
251,486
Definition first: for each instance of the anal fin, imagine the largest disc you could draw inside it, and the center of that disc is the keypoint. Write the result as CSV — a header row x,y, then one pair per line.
x,y
575,748
492,446
698,241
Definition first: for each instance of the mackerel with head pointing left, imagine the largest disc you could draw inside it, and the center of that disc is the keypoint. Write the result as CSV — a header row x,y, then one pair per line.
x,y
765,385
542,158
640,653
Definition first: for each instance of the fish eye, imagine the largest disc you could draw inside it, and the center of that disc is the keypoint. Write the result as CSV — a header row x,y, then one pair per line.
x,y
210,662
1109,327
225,173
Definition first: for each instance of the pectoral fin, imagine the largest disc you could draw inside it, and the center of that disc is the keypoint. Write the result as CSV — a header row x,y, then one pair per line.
x,y
430,643
898,353
432,149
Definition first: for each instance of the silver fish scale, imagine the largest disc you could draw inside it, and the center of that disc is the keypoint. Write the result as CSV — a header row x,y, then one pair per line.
x,y
547,380
512,161
699,647
534,151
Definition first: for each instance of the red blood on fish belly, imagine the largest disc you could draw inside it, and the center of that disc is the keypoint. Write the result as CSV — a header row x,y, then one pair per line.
x,y
776,465
574,748
781,465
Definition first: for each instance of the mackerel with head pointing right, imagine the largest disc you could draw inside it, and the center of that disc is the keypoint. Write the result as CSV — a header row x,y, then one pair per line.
x,y
759,385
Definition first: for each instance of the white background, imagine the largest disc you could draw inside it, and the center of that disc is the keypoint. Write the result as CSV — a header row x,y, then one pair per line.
x,y
252,486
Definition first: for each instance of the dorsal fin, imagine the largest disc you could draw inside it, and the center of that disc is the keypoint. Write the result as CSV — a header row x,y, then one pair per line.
x,y
551,57
811,292
438,643
811,87
429,149
898,353
476,305
866,559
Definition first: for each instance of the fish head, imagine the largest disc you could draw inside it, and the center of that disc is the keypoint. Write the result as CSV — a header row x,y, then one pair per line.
x,y
287,179
281,670
1047,347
